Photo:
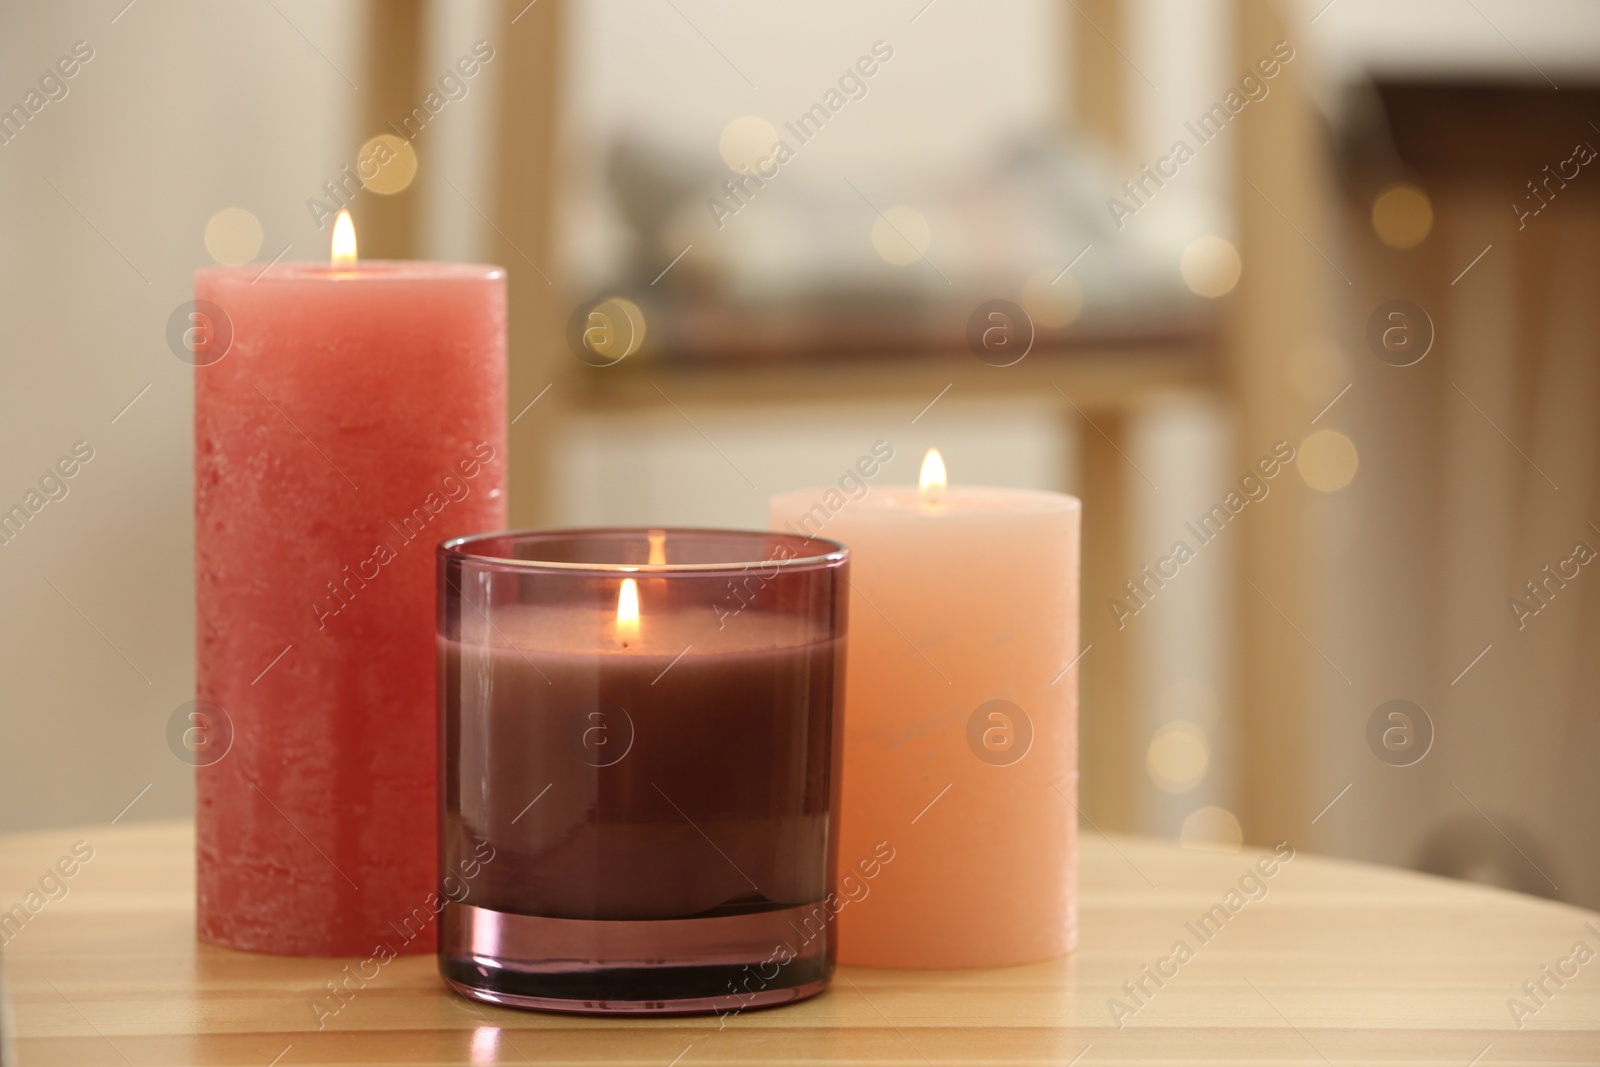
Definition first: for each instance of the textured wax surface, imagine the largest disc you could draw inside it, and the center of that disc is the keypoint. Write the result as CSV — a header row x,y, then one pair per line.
x,y
955,604
357,420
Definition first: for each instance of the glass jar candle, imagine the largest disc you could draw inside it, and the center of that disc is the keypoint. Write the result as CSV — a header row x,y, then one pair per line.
x,y
640,767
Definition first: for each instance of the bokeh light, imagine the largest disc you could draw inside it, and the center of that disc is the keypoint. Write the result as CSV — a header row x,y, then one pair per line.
x,y
614,329
901,234
1178,756
1328,461
1402,215
387,164
1211,266
746,142
1212,828
233,236
1050,302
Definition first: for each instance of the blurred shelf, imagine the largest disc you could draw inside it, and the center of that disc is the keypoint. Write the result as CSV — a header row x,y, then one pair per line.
x,y
1091,370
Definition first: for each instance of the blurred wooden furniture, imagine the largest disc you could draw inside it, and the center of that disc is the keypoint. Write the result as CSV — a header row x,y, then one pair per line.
x,y
1486,470
1282,206
1283,304
1337,962
529,40
1240,354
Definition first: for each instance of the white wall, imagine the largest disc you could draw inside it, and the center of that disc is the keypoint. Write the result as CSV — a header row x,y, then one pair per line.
x,y
658,468
187,107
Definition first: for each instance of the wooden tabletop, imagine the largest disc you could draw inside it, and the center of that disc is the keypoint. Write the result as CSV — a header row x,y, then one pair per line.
x,y
1323,962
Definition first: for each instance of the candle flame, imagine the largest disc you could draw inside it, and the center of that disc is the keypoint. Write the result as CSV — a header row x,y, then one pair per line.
x,y
628,611
933,480
658,547
344,241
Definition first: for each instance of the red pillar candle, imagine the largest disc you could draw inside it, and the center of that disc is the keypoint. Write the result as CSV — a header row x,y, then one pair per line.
x,y
348,418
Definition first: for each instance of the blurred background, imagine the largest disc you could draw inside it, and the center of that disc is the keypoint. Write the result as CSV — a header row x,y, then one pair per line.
x,y
1377,251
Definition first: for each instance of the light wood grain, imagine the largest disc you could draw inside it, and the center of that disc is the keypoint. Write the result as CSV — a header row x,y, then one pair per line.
x,y
1339,963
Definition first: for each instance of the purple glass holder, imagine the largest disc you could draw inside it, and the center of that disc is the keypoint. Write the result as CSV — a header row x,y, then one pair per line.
x,y
640,745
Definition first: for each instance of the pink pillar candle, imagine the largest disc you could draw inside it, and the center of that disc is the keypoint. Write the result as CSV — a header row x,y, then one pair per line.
x,y
347,420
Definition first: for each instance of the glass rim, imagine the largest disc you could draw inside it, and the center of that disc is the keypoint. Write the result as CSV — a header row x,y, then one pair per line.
x,y
458,549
